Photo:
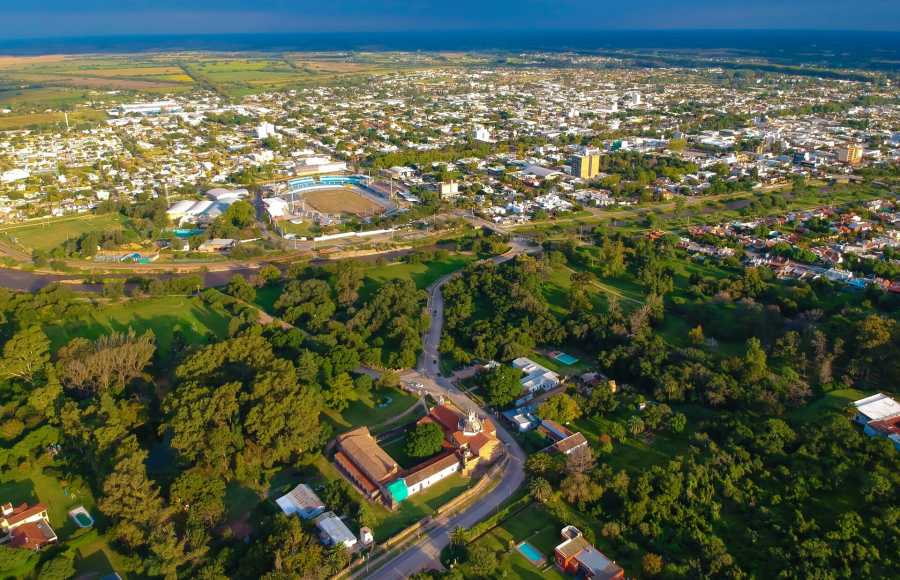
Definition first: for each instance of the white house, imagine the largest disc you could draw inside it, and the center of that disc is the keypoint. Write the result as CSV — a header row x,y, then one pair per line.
x,y
432,473
880,416
301,500
536,377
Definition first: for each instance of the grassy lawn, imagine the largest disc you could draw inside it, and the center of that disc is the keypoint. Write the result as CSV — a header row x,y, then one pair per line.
x,y
556,292
159,315
267,296
366,412
397,450
423,274
579,367
635,455
419,505
411,510
49,234
306,229
832,401
35,486
99,560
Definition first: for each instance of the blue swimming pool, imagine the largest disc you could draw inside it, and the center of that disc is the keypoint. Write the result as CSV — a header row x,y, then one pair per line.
x,y
566,359
531,553
187,233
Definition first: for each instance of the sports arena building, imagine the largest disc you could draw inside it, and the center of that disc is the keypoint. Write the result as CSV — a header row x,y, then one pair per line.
x,y
359,184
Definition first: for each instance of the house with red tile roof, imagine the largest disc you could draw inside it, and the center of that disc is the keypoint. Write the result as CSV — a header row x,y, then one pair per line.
x,y
26,526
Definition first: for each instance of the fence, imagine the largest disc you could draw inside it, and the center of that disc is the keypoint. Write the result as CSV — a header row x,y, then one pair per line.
x,y
493,473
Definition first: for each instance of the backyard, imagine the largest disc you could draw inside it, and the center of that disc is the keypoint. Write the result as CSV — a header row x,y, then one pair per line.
x,y
534,525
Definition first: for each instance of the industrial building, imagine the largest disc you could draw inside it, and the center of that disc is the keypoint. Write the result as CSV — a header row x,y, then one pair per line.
x,y
333,531
150,109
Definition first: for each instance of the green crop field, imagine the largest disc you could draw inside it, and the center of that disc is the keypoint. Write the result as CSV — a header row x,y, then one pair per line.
x,y
24,121
48,234
161,316
49,96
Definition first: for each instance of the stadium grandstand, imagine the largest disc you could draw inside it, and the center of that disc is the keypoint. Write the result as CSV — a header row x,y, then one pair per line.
x,y
361,185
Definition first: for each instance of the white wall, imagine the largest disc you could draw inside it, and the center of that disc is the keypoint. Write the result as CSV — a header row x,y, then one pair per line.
x,y
434,478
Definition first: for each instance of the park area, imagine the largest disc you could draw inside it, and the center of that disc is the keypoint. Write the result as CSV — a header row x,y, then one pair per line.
x,y
341,201
423,274
161,315
47,234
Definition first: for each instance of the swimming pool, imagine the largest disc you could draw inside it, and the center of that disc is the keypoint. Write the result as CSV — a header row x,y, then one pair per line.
x,y
187,233
566,359
531,553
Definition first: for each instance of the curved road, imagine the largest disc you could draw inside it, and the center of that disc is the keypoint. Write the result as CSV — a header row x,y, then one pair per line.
x,y
426,553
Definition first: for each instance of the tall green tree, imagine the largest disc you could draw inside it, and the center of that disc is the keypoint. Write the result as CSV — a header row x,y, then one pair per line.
x,y
502,385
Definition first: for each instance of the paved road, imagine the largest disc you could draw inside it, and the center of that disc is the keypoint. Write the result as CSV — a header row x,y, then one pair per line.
x,y
426,553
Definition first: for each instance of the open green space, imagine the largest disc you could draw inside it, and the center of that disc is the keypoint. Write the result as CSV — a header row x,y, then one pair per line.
x,y
397,450
47,96
557,288
423,274
267,296
305,229
94,558
366,411
47,234
634,455
419,505
24,121
831,401
161,315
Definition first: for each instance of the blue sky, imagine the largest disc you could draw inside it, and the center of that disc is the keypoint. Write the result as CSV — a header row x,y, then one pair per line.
x,y
68,18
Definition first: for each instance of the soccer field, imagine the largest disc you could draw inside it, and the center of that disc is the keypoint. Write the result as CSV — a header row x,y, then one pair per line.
x,y
340,201
49,234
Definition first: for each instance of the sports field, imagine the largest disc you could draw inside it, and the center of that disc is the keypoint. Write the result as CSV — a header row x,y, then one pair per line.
x,y
341,201
49,234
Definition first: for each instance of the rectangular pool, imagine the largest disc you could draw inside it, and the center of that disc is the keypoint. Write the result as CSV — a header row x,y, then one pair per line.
x,y
531,553
566,359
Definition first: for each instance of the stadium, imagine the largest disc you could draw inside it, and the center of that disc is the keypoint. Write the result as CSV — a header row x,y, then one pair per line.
x,y
337,197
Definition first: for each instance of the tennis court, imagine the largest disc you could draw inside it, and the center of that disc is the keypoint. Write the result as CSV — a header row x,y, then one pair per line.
x,y
566,358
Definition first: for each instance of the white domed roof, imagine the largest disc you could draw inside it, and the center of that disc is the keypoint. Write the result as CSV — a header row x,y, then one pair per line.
x,y
470,424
